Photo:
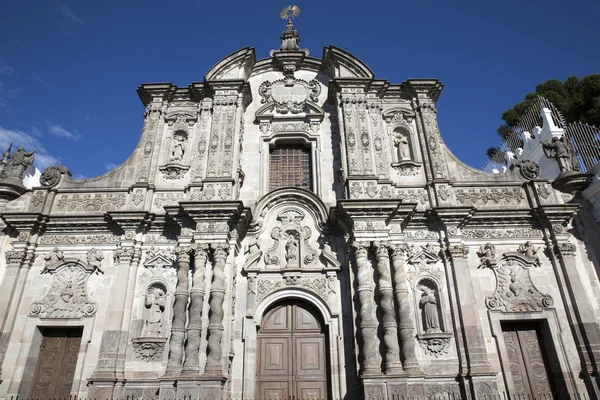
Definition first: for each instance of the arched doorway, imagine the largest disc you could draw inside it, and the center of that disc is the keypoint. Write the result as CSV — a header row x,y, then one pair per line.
x,y
292,355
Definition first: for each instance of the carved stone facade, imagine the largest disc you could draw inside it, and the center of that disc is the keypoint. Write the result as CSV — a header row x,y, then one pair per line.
x,y
411,265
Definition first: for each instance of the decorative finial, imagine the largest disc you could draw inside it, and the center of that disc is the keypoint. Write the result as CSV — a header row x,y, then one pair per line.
x,y
290,12
290,38
5,157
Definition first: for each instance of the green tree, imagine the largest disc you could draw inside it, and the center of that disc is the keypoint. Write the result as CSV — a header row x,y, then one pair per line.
x,y
577,99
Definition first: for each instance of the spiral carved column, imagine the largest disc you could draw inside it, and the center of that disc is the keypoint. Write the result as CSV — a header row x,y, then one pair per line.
x,y
368,325
215,321
404,312
179,312
194,328
390,327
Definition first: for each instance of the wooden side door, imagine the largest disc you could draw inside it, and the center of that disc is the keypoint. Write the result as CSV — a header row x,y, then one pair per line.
x,y
56,363
291,355
527,361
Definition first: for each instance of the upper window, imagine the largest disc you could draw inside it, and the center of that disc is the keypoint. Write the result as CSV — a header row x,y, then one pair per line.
x,y
290,165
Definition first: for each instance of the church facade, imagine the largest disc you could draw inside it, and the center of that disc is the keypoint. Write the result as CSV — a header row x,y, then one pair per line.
x,y
295,227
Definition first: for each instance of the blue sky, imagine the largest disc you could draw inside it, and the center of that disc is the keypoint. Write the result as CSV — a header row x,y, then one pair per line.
x,y
69,69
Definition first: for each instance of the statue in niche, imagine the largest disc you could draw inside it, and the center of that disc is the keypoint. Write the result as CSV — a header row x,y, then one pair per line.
x,y
18,163
401,141
155,309
178,150
428,304
291,250
562,150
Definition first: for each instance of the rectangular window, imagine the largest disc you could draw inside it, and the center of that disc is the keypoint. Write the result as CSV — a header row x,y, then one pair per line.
x,y
290,166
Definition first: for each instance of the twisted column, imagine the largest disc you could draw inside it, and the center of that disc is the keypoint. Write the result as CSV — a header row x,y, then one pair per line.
x,y
179,312
390,327
368,325
215,320
404,312
194,328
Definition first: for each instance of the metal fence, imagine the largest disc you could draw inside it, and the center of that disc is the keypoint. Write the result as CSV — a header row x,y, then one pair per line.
x,y
585,138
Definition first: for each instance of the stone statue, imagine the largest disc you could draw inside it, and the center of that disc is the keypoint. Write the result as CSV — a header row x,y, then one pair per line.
x,y
54,257
5,157
563,152
487,254
155,309
178,148
18,163
403,147
529,250
431,321
291,251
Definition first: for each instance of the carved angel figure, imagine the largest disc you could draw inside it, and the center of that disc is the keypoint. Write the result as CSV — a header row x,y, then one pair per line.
x,y
431,321
155,309
529,250
18,163
487,254
401,142
54,257
562,150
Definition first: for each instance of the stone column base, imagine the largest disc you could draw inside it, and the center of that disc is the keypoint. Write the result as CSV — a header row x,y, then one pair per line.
x,y
193,388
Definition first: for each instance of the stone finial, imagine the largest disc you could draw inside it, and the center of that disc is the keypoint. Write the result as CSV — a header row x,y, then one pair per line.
x,y
290,38
18,163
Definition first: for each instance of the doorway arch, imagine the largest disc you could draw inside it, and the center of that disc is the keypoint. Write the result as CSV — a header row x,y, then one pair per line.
x,y
292,357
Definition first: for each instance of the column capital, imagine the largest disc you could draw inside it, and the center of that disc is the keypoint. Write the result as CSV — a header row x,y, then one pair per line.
x,y
458,251
361,249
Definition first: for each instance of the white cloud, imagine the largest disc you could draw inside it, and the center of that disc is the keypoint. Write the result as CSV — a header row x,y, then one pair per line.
x,y
110,166
37,78
59,131
6,69
19,138
69,14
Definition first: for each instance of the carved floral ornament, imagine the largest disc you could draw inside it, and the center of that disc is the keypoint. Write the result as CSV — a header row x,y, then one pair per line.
x,y
67,297
289,95
515,292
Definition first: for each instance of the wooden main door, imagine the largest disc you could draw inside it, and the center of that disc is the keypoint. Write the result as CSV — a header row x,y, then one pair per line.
x,y
292,359
527,361
56,363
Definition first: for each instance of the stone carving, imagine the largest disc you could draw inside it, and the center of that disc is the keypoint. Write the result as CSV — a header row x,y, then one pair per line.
x,y
217,296
424,262
94,259
501,233
164,199
543,191
390,326
178,150
137,197
91,202
529,169
487,255
264,287
514,289
54,257
529,251
194,328
15,257
289,95
148,350
429,306
18,163
67,297
565,249
154,302
403,146
368,325
296,249
37,200
51,175
78,239
435,347
443,192
159,265
174,171
412,195
404,312
179,311
124,255
507,196
458,251
562,150
421,235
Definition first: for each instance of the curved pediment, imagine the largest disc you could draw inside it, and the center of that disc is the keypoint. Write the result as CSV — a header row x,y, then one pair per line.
x,y
341,64
237,65
301,197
